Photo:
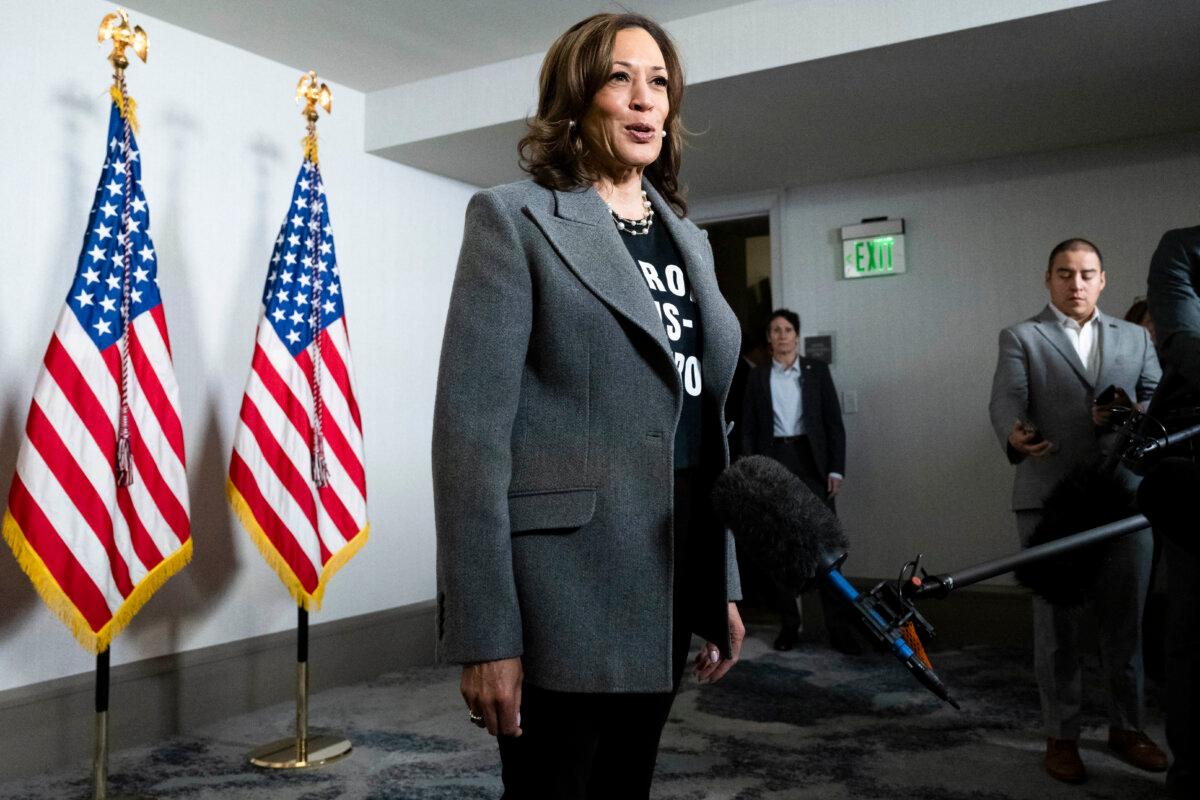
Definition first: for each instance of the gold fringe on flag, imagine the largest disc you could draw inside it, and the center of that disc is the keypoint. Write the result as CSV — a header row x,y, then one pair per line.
x,y
58,602
310,148
127,106
309,602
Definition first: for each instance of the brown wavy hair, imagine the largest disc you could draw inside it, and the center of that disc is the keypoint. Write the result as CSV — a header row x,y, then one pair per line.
x,y
576,67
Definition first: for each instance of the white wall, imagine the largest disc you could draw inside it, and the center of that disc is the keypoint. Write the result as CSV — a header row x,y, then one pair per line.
x,y
925,473
221,146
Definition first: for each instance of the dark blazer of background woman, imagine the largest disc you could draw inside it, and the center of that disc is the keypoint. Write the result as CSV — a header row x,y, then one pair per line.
x,y
821,412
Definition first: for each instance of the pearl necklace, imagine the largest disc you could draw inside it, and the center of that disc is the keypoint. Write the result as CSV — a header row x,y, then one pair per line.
x,y
634,227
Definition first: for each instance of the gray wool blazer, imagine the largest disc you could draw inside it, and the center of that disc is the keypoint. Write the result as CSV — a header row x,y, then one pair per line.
x,y
553,443
1040,378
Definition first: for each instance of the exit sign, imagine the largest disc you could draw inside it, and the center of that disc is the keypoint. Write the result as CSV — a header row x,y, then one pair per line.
x,y
873,248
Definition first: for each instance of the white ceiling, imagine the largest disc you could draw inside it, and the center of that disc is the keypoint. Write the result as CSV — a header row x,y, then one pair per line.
x,y
1082,76
373,44
1099,73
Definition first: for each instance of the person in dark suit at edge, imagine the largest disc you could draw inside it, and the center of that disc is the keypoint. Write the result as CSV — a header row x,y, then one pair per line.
x,y
792,414
1174,303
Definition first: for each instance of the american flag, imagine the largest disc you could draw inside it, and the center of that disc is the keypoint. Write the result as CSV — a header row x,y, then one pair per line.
x,y
97,540
296,477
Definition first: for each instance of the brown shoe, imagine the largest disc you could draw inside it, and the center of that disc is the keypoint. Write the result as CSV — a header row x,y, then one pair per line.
x,y
1138,749
1062,761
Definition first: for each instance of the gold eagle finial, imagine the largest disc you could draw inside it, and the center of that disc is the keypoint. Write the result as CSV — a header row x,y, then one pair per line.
x,y
115,26
314,93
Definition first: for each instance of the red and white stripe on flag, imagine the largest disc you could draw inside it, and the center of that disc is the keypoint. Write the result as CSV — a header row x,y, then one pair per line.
x,y
299,419
305,532
97,551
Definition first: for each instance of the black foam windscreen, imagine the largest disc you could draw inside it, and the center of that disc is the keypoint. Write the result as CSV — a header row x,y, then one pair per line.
x,y
1170,498
1085,498
777,520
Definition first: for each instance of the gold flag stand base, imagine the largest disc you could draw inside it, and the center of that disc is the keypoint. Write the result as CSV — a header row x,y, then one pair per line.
x,y
304,750
319,749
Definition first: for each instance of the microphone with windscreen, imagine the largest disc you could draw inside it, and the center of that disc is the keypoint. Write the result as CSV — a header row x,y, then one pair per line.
x,y
781,525
1092,506
778,521
1087,498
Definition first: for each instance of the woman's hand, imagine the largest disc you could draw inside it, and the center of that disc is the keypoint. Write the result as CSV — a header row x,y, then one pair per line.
x,y
710,667
492,690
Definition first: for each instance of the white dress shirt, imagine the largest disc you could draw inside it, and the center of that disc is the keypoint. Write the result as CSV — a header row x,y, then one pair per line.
x,y
787,402
785,399
1086,340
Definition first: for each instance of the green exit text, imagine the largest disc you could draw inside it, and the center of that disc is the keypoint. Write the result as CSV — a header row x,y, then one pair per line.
x,y
874,255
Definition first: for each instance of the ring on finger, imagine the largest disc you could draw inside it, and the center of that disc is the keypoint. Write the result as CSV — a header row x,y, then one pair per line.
x,y
476,719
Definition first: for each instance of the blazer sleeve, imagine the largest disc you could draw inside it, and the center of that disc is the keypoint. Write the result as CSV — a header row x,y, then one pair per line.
x,y
479,379
1175,305
1010,391
1151,372
835,428
749,421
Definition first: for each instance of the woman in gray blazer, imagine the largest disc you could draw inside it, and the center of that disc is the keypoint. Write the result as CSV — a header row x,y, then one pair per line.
x,y
578,427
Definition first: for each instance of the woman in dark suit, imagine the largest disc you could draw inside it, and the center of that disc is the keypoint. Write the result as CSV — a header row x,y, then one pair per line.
x,y
792,414
578,427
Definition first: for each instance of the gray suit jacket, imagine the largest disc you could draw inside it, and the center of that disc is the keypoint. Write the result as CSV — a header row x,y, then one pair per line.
x,y
1040,378
553,445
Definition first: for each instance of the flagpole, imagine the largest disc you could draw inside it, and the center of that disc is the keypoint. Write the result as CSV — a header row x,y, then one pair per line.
x,y
100,756
100,761
301,684
305,749
116,27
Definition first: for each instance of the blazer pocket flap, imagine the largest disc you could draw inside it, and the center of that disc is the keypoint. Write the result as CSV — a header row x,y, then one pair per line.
x,y
557,509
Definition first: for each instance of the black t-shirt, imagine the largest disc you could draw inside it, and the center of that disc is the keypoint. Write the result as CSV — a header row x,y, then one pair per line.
x,y
659,264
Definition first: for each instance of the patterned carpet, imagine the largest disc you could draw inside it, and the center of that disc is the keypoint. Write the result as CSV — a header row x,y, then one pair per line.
x,y
806,724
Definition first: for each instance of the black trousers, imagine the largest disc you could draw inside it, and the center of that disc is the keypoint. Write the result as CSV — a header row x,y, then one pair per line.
x,y
599,745
1183,670
796,454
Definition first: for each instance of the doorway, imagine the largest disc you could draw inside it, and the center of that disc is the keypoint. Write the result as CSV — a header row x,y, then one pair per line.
x,y
742,254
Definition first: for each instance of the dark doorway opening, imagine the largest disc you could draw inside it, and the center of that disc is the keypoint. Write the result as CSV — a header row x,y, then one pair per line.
x,y
742,254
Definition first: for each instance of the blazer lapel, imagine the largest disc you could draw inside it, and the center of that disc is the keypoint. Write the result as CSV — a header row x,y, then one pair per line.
x,y
762,376
584,236
1110,351
719,328
809,394
1047,326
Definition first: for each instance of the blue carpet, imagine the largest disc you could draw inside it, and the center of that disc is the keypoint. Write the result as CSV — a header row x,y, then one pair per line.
x,y
806,724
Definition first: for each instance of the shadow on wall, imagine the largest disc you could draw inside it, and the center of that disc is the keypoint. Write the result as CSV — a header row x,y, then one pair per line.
x,y
191,594
16,592
73,106
195,592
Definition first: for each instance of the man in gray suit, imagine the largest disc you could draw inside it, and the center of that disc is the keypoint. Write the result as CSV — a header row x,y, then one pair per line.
x,y
1050,371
